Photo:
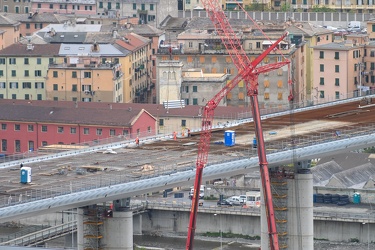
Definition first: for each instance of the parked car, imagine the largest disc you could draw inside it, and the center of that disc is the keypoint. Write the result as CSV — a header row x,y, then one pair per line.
x,y
224,203
235,200
242,199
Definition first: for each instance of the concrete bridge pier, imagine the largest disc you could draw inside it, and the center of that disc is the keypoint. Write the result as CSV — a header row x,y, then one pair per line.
x,y
292,192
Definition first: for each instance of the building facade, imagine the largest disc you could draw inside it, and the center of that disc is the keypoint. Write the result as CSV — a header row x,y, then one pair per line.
x,y
23,70
89,73
27,126
85,7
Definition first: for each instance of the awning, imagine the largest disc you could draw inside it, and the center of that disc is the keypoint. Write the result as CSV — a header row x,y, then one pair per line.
x,y
272,42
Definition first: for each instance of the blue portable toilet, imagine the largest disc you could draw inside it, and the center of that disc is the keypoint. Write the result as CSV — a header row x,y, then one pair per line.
x,y
229,138
356,198
25,175
254,142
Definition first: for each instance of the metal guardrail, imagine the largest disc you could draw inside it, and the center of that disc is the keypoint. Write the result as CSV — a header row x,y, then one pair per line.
x,y
44,235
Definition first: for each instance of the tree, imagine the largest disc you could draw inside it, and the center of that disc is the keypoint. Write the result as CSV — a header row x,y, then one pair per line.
x,y
318,8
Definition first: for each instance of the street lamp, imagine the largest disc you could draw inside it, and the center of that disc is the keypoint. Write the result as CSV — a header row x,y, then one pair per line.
x,y
221,233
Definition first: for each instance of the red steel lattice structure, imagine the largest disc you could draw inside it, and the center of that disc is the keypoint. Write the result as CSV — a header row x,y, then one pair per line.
x,y
249,72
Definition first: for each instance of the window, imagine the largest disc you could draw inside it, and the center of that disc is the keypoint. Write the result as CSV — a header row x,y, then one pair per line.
x,y
86,131
183,123
55,87
2,60
74,87
39,97
17,127
44,128
17,145
1,73
337,95
12,61
321,67
39,61
321,94
14,73
50,60
201,59
151,7
87,74
51,6
13,85
27,73
73,130
4,145
321,82
118,6
195,88
3,126
337,55
279,96
14,96
126,133
161,122
258,45
60,129
26,85
38,73
74,74
27,27
337,68
27,97
31,145
195,101
39,85
134,6
101,5
26,60
55,74
44,143
99,131
112,132
30,128
187,101
55,98
337,81
321,54
109,6
190,44
143,6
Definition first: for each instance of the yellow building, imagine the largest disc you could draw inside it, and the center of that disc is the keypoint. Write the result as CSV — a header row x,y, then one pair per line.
x,y
10,31
88,73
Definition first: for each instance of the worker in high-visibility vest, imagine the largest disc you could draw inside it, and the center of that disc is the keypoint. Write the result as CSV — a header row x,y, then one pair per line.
x,y
175,135
137,141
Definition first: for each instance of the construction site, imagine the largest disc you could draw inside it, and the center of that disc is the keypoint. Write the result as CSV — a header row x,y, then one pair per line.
x,y
163,155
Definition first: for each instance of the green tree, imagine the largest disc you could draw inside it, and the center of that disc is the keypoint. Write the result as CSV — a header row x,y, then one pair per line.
x,y
318,8
285,7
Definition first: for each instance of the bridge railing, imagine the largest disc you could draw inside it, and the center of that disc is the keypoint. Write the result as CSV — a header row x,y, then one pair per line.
x,y
42,235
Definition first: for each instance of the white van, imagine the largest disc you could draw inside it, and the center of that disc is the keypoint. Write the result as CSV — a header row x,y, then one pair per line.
x,y
253,199
354,25
201,193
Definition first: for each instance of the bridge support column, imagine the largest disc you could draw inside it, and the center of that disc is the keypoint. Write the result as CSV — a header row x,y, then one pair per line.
x,y
80,240
118,229
300,212
292,191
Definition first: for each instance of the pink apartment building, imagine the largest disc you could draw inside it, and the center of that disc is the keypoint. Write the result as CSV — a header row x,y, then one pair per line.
x,y
85,7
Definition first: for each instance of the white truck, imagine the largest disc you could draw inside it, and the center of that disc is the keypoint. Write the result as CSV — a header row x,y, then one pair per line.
x,y
354,25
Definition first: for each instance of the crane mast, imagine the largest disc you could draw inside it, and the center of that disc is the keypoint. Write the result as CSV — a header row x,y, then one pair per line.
x,y
249,72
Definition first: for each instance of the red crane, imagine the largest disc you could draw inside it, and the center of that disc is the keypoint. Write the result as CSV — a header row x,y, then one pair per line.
x,y
249,72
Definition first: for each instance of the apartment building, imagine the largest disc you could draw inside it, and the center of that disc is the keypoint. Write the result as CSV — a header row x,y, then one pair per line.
x,y
139,81
16,6
35,21
202,48
9,31
344,68
23,70
77,7
88,73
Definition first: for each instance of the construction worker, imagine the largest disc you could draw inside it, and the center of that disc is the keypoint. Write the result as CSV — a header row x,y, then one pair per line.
x,y
188,132
137,141
175,135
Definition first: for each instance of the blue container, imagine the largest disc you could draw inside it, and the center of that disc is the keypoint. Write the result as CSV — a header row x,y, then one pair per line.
x,y
25,175
356,198
229,138
314,198
255,142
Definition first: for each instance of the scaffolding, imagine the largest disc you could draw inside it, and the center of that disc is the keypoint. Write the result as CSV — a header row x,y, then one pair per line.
x,y
93,227
279,186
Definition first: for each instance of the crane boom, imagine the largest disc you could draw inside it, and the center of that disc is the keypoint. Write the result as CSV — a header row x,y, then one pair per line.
x,y
208,115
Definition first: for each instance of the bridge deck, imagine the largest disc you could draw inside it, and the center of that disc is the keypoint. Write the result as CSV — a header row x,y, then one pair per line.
x,y
76,173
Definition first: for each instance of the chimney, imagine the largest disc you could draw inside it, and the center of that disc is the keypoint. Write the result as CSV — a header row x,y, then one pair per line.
x,y
95,47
